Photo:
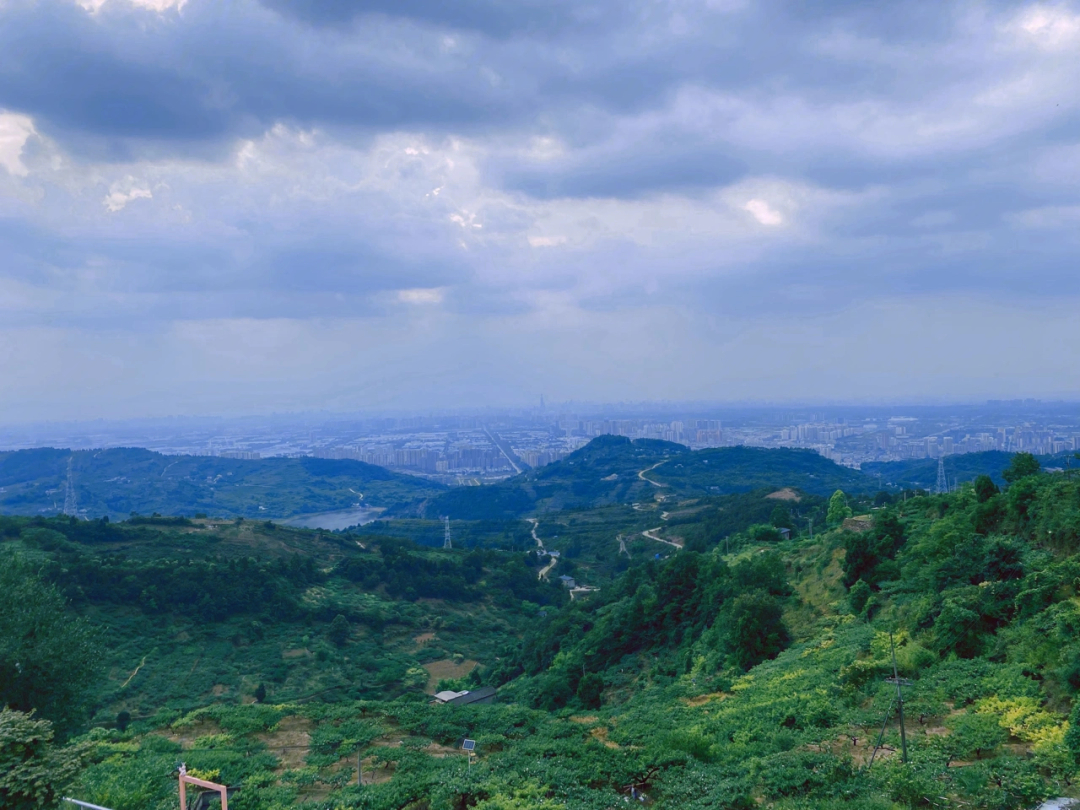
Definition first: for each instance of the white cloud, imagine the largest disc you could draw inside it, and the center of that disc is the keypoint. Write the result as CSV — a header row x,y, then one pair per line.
x,y
122,192
433,295
15,131
159,6
547,241
764,213
1048,27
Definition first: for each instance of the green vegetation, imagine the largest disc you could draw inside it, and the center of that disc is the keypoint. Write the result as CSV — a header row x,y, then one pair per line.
x,y
922,473
614,469
722,664
33,770
741,469
118,482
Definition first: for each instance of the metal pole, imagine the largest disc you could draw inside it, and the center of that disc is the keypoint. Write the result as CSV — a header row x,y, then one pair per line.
x,y
899,699
87,805
359,769
877,745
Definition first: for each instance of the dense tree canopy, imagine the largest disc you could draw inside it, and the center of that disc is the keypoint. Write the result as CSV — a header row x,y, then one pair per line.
x,y
48,655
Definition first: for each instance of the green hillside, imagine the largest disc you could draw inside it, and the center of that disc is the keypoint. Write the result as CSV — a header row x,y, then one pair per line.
x,y
604,471
614,469
741,469
922,473
119,481
717,666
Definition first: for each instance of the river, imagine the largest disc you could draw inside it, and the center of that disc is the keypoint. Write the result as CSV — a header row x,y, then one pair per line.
x,y
341,519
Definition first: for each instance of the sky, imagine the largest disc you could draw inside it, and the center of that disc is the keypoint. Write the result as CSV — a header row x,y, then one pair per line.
x,y
245,206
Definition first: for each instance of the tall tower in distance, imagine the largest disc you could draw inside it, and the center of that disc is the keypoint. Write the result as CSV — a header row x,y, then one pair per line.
x,y
942,482
446,543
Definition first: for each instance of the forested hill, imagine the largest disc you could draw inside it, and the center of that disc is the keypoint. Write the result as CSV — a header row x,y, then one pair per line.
x,y
614,469
724,470
119,481
921,473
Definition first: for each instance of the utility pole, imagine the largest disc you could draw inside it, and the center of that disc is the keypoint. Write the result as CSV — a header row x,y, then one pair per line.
x,y
900,682
811,528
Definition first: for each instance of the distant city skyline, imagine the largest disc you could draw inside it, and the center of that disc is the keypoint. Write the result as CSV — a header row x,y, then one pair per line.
x,y
489,445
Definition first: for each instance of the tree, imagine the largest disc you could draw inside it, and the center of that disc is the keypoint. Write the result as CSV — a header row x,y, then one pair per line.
x,y
838,509
1022,465
974,733
260,693
985,488
859,595
1072,734
757,630
33,772
48,656
339,631
864,552
781,517
763,533
590,690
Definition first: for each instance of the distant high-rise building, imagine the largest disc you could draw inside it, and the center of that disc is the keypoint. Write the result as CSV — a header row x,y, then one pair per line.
x,y
948,446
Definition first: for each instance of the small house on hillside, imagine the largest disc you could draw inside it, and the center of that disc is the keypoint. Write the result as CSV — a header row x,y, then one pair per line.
x,y
482,696
785,534
567,581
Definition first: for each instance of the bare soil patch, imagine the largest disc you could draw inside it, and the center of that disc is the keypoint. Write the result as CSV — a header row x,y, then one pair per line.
x,y
701,700
600,735
446,668
289,741
785,494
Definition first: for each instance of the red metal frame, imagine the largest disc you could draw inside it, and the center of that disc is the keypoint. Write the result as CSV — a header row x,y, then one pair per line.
x,y
191,780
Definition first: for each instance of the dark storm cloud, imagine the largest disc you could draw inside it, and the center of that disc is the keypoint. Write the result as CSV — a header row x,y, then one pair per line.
x,y
499,18
128,78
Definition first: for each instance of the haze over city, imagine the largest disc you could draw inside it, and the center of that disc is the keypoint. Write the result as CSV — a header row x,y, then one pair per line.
x,y
257,207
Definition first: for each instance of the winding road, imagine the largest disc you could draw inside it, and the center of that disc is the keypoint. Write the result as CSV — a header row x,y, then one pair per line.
x,y
651,535
540,545
641,474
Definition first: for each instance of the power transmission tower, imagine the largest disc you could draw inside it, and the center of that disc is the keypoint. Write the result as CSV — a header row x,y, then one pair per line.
x,y
942,482
446,543
71,506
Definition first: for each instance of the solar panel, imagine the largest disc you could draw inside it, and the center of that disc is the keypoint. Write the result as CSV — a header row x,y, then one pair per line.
x,y
469,745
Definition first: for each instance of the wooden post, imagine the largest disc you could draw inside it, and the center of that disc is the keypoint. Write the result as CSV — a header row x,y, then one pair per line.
x,y
185,779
